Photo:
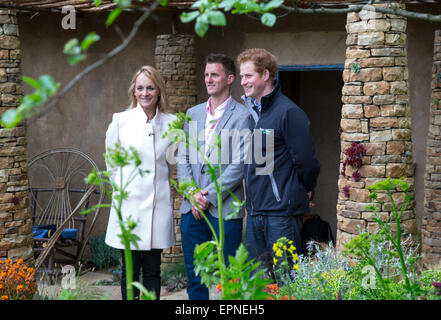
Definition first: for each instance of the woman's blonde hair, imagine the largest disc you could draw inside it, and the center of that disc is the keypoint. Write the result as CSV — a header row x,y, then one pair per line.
x,y
157,79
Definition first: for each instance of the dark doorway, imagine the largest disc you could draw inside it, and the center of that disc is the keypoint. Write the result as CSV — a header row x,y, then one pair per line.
x,y
318,93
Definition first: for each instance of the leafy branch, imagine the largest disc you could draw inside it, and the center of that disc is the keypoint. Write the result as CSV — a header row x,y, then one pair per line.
x,y
45,98
212,12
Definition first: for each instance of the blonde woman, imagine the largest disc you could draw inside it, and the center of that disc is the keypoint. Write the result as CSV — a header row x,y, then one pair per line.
x,y
149,202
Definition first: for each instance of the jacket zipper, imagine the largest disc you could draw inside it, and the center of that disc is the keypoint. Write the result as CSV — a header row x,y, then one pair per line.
x,y
274,186
256,119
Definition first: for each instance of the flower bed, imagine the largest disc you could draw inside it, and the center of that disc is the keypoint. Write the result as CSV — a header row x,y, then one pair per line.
x,y
17,281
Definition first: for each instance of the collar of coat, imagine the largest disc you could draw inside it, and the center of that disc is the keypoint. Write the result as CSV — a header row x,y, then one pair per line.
x,y
265,102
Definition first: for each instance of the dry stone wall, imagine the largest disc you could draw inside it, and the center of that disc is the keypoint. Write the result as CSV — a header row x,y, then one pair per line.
x,y
15,217
376,113
431,222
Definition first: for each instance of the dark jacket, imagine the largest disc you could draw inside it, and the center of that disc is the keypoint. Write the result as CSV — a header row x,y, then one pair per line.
x,y
283,190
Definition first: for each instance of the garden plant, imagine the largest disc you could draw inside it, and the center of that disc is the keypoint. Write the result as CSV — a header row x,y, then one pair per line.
x,y
118,158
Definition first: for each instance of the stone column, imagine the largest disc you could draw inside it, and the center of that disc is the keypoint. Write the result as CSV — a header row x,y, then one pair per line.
x,y
174,57
376,113
15,216
431,222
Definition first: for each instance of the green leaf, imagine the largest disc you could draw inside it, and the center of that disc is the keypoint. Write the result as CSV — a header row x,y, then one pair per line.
x,y
112,16
146,295
200,27
97,2
268,19
73,60
71,46
32,82
272,5
189,16
48,83
10,118
216,18
227,4
163,3
89,40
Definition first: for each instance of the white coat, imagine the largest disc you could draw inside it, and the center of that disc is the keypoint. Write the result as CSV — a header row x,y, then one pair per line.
x,y
149,202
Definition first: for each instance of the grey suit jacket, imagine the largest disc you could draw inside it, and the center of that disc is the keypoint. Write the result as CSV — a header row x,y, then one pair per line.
x,y
191,165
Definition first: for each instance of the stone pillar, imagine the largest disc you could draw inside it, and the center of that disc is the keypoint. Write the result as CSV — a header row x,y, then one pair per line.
x,y
431,222
174,57
15,216
375,112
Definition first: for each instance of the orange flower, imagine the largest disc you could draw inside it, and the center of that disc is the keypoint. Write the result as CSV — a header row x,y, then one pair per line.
x,y
17,281
4,298
285,297
272,288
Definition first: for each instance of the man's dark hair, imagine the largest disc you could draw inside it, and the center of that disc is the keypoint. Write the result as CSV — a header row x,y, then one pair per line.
x,y
227,63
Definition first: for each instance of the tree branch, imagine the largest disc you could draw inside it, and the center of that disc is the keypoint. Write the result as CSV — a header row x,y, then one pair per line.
x,y
54,101
358,8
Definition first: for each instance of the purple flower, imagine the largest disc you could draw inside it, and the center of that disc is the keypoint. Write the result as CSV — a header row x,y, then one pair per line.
x,y
437,286
356,176
346,191
354,154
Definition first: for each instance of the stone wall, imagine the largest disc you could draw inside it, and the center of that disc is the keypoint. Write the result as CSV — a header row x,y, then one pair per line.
x,y
174,57
15,217
431,222
375,112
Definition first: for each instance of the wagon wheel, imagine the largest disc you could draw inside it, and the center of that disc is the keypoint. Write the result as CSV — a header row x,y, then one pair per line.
x,y
57,183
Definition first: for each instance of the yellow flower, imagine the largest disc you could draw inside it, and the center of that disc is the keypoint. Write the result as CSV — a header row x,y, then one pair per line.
x,y
295,257
296,267
275,260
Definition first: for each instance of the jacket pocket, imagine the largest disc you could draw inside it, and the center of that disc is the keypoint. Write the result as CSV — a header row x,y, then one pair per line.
x,y
274,187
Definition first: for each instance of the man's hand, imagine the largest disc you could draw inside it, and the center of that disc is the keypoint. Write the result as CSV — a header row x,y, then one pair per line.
x,y
202,202
311,204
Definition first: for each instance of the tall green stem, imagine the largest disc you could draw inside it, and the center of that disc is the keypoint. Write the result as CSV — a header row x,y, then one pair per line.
x,y
126,242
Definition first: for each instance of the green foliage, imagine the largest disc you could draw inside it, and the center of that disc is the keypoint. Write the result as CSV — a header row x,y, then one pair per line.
x,y
212,12
103,256
145,294
244,279
77,51
44,88
361,245
325,274
174,276
113,15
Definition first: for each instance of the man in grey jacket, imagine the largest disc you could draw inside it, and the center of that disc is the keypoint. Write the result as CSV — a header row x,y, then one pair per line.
x,y
223,116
